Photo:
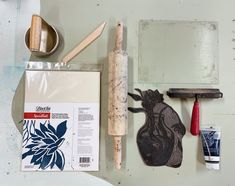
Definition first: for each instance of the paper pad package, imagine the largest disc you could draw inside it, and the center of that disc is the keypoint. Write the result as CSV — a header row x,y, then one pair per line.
x,y
61,120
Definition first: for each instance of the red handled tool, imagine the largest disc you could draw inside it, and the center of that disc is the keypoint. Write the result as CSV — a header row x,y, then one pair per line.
x,y
194,93
195,118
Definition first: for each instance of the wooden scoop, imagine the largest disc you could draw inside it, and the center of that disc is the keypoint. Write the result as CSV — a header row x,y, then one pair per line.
x,y
43,39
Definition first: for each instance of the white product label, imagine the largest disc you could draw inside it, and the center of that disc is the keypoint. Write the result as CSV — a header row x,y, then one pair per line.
x,y
61,136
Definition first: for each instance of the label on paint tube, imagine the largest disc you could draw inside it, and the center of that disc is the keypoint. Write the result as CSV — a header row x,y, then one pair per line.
x,y
211,146
61,136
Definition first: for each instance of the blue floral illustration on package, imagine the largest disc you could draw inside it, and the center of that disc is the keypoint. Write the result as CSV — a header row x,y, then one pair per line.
x,y
28,128
43,146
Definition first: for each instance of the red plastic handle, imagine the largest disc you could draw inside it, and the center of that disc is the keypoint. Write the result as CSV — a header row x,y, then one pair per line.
x,y
195,119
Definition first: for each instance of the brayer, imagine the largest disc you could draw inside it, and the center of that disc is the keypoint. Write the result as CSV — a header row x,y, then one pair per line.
x,y
184,93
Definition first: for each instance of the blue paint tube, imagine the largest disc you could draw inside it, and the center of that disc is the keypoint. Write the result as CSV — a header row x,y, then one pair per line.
x,y
211,146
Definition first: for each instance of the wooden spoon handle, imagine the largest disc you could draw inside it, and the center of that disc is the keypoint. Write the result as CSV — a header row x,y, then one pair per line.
x,y
35,33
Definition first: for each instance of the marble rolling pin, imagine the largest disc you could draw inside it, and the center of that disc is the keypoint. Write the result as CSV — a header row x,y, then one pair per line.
x,y
117,113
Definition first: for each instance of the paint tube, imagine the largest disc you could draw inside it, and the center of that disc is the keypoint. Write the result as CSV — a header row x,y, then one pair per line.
x,y
211,146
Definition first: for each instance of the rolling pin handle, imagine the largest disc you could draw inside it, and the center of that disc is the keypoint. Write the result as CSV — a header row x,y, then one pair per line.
x,y
119,36
118,151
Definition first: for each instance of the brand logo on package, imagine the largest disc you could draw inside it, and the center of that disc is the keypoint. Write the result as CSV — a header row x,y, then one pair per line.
x,y
40,113
43,109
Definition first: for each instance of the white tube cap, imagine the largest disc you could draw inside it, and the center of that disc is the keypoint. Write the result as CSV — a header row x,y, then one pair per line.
x,y
213,166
